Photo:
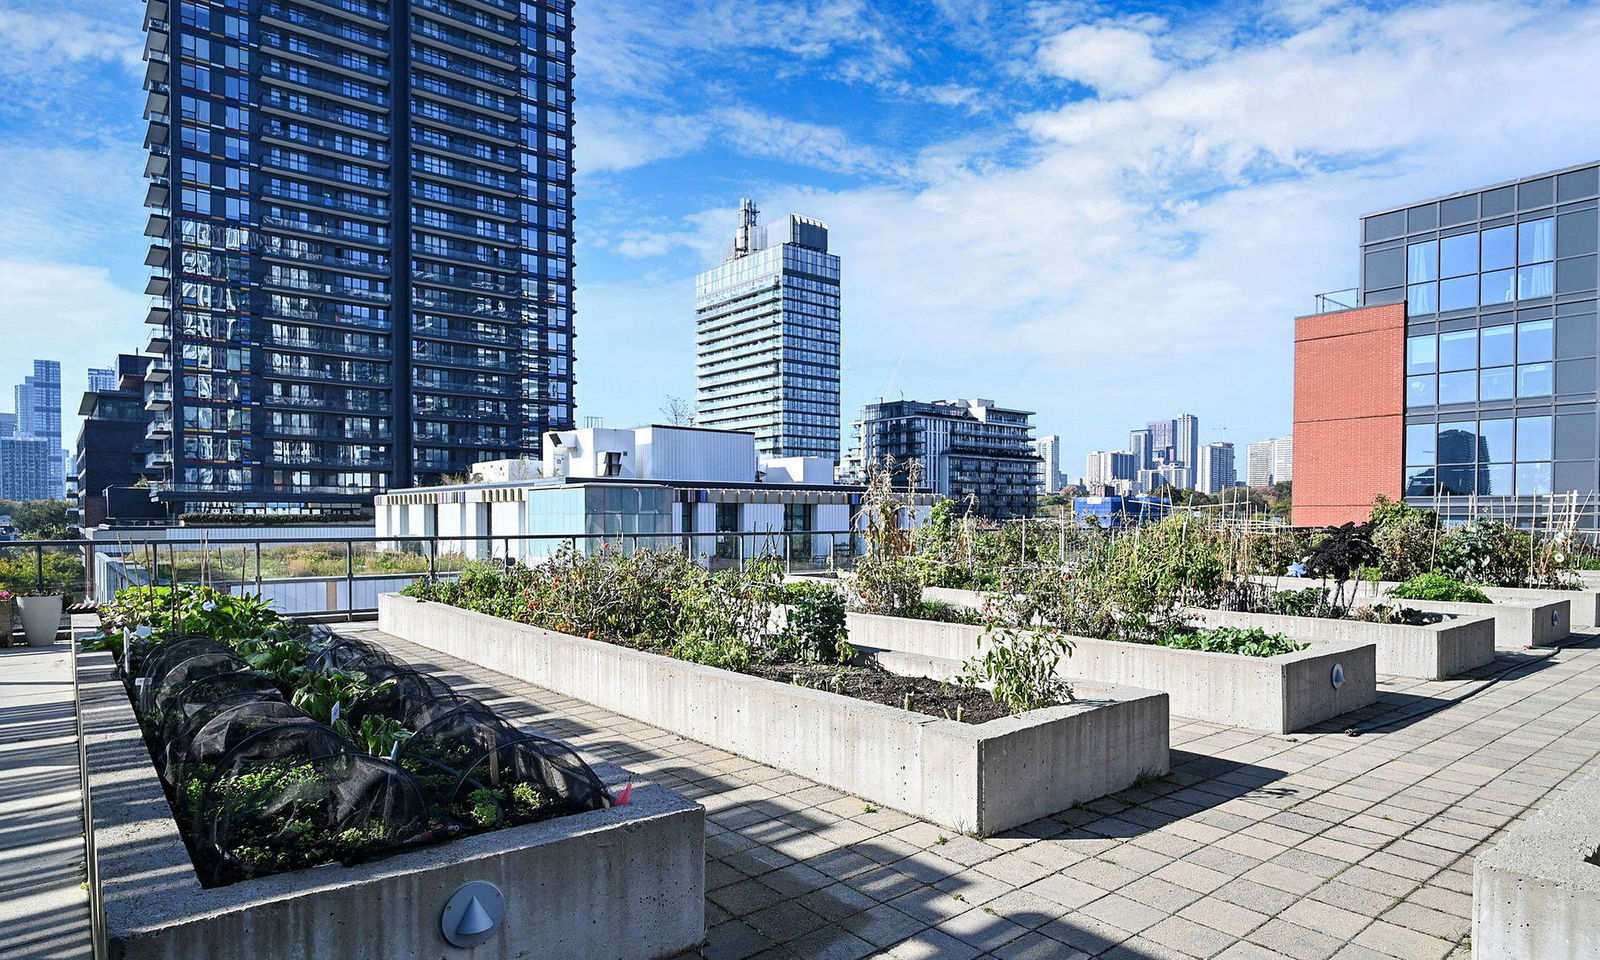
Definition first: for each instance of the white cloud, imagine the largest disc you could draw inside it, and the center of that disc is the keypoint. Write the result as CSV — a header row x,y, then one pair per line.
x,y
59,39
1114,59
1144,254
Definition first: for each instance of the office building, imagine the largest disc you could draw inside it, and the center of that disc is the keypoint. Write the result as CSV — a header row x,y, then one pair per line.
x,y
969,450
1269,461
1186,440
1483,305
1215,471
767,338
361,242
29,467
1165,475
1049,450
1108,467
115,442
38,399
1163,441
101,379
1139,445
662,487
8,424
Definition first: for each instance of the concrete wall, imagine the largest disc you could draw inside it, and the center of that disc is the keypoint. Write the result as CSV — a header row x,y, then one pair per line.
x,y
628,882
1434,651
1585,603
1277,694
1518,624
1533,895
978,778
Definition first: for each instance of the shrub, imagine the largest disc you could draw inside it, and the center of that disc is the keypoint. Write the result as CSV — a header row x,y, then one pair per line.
x,y
1404,537
1437,586
1249,642
816,624
938,610
1019,666
885,585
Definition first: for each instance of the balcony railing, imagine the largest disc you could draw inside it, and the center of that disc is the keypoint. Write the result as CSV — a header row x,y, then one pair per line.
x,y
354,236
325,26
1336,300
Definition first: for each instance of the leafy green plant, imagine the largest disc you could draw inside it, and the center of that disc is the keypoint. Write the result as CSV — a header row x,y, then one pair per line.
x,y
1019,667
318,693
816,624
1248,642
1437,586
942,612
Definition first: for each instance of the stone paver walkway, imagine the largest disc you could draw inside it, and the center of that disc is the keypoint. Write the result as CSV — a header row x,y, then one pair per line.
x,y
44,911
1313,845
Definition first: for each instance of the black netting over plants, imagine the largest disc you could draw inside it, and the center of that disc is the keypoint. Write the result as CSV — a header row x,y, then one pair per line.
x,y
484,773
162,676
347,653
210,732
178,702
398,693
299,794
155,657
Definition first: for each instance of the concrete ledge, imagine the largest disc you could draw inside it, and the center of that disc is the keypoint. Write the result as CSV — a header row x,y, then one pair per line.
x,y
1533,893
1276,694
1518,624
1432,651
976,778
623,882
1583,603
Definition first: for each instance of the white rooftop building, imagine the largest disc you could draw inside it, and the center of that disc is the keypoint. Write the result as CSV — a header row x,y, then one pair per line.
x,y
656,487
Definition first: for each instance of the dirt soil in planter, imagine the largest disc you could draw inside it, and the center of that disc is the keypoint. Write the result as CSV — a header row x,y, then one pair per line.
x,y
931,697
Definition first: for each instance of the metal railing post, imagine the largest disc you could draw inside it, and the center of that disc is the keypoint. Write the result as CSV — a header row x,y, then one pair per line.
x,y
259,594
38,568
349,577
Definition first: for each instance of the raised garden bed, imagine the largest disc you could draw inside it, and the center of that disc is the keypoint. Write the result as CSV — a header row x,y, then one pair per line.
x,y
624,881
1433,651
1584,604
1277,694
979,778
1518,623
1534,893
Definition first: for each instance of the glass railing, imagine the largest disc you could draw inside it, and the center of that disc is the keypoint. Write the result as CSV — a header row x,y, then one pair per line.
x,y
494,51
377,124
324,25
483,74
465,14
321,230
332,203
508,261
372,153
364,93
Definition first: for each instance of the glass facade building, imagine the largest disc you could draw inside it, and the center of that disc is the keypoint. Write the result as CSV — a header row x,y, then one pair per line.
x,y
362,242
969,450
38,399
767,340
1500,372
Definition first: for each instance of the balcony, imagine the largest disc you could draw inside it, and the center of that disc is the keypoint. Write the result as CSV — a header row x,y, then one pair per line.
x,y
273,251
159,428
370,210
370,96
329,344
494,53
474,282
158,399
380,240
331,314
158,225
159,459
274,130
355,177
158,103
478,153
433,354
468,18
434,60
504,261
159,161
160,313
423,301
478,206
479,99
158,371
326,26
159,194
1335,300
427,112
375,126
158,343
325,289
159,285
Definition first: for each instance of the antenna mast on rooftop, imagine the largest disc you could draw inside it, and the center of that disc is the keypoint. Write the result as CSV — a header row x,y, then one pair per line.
x,y
744,242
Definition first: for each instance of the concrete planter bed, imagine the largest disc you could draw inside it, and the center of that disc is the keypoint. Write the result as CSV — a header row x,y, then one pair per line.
x,y
1583,604
976,778
1534,894
627,881
1518,624
1277,694
1433,651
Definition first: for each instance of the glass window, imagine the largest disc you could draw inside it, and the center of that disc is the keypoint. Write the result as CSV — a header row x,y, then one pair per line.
x,y
1421,444
1577,184
1422,298
1536,240
1459,293
1422,262
1534,380
1385,268
1422,218
1533,478
1496,383
1495,479
1497,202
1533,438
1420,482
1535,341
1536,281
1495,347
1458,350
1499,287
1458,442
1420,391
1575,233
1499,249
1458,481
1459,387
1458,256
1535,193
1422,354
1495,439
1458,210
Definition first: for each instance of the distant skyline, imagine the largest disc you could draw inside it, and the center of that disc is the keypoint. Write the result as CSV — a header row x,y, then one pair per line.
x,y
1097,212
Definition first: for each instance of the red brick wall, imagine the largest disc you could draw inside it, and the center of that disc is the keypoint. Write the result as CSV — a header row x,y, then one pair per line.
x,y
1349,412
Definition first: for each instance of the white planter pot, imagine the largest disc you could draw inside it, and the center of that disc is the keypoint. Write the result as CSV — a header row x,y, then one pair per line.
x,y
41,619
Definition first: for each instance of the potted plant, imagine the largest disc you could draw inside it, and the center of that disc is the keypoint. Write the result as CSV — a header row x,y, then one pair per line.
x,y
41,617
6,625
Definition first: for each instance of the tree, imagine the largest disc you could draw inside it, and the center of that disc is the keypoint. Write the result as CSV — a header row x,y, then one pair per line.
x,y
40,519
676,411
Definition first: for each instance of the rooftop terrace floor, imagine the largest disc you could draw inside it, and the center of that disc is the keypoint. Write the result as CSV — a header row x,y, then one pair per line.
x,y
1313,845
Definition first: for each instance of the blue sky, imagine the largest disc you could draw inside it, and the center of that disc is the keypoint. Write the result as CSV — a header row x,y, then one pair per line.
x,y
1105,213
